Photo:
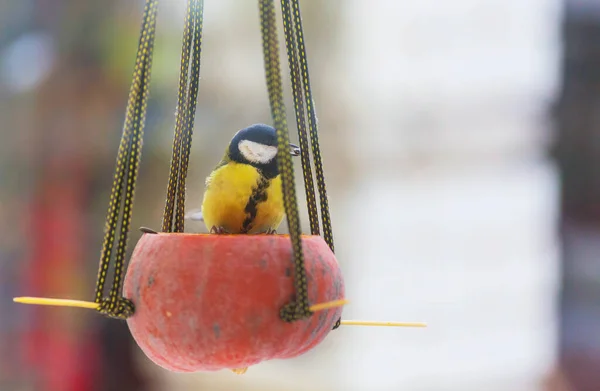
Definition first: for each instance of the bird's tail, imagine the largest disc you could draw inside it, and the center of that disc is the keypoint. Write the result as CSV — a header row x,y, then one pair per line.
x,y
194,215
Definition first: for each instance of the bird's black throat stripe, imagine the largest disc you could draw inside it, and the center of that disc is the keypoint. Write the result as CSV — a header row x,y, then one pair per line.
x,y
259,194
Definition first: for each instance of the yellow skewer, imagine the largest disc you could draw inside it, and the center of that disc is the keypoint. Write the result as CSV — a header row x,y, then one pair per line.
x,y
56,302
92,305
328,304
314,308
384,324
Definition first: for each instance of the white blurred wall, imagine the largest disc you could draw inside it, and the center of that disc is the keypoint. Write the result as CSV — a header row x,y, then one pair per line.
x,y
450,218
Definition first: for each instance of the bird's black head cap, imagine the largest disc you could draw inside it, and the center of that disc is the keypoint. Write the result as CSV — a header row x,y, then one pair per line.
x,y
260,134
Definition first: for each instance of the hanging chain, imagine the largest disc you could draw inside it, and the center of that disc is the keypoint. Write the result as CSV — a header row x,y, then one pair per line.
x,y
299,308
192,101
292,55
180,118
313,127
128,157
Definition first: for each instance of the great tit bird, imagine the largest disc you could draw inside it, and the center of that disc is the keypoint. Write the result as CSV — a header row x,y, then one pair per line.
x,y
243,193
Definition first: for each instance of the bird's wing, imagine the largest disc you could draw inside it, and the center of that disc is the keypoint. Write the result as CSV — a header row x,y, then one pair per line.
x,y
223,162
208,180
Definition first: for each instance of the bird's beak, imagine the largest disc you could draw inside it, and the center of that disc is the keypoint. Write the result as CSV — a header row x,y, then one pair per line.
x,y
294,150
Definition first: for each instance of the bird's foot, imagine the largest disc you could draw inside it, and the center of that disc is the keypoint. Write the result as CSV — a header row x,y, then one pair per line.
x,y
271,231
218,230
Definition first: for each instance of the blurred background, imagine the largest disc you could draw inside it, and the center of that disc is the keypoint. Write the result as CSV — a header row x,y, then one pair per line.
x,y
461,144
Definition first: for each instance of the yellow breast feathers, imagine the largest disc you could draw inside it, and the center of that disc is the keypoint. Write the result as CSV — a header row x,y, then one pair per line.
x,y
240,200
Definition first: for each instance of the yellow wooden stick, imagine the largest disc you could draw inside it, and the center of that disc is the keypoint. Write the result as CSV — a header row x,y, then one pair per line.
x,y
384,324
328,304
314,308
56,302
92,305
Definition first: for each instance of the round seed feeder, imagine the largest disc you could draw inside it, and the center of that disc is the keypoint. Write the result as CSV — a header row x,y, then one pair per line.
x,y
209,302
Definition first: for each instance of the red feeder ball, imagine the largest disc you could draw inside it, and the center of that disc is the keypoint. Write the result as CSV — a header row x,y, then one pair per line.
x,y
210,302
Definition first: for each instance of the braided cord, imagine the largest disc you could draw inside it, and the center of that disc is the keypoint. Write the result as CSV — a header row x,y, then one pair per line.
x,y
192,102
313,127
184,122
295,48
128,157
180,119
299,308
292,55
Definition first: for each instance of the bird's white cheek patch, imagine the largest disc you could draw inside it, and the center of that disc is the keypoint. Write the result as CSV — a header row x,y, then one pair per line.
x,y
257,153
